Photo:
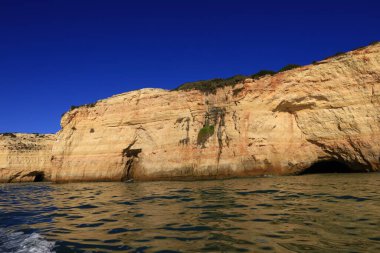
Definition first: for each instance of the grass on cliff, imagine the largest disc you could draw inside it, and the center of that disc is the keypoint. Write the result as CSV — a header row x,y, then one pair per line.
x,y
205,133
262,73
85,105
73,107
211,86
12,135
289,67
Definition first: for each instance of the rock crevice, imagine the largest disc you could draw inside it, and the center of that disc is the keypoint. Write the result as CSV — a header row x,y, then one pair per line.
x,y
280,124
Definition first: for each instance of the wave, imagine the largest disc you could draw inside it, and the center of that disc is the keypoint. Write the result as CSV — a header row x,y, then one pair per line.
x,y
19,242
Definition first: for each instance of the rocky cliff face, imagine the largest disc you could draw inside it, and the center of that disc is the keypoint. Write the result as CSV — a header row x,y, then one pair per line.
x,y
280,124
25,157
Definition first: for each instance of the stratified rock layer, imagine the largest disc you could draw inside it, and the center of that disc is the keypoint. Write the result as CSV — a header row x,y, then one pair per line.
x,y
25,157
279,124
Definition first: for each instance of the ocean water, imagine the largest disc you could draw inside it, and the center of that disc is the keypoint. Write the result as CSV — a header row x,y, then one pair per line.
x,y
309,213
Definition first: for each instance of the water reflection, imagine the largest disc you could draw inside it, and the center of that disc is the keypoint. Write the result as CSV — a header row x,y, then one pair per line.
x,y
313,213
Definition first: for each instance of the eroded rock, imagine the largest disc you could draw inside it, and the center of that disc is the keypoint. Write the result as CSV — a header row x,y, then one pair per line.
x,y
280,124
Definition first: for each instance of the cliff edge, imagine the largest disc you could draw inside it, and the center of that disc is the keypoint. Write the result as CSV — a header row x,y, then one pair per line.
x,y
280,124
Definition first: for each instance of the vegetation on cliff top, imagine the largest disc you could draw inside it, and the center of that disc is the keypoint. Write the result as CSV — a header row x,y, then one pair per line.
x,y
289,67
262,73
12,135
210,86
85,105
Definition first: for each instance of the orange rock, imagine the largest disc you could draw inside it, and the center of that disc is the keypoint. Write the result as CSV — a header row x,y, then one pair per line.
x,y
279,124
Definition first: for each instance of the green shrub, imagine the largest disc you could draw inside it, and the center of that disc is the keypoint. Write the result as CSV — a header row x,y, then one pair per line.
x,y
90,105
85,105
205,133
289,67
262,73
210,86
12,135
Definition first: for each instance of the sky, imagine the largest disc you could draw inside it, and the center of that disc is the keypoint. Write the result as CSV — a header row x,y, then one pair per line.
x,y
58,53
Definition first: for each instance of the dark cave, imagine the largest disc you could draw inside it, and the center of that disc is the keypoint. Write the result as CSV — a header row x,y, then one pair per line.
x,y
331,166
39,177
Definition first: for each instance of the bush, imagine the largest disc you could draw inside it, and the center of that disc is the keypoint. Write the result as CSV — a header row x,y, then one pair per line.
x,y
12,135
210,86
289,67
205,133
262,73
85,105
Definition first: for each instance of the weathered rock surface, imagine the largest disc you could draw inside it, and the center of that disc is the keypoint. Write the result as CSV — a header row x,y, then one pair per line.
x,y
25,157
279,124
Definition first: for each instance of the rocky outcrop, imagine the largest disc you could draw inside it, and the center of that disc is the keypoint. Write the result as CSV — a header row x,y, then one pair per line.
x,y
280,124
25,157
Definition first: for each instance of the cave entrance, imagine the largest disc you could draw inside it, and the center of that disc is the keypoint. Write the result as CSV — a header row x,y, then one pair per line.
x,y
130,158
331,166
39,177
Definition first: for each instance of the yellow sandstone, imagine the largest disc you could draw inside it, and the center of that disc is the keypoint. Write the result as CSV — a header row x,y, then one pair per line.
x,y
279,124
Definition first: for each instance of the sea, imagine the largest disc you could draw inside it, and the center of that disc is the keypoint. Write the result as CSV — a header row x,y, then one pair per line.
x,y
308,213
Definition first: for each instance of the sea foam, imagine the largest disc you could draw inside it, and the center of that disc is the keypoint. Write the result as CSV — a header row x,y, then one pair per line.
x,y
19,242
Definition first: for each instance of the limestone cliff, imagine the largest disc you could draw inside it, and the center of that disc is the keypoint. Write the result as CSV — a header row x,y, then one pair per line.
x,y
279,124
25,157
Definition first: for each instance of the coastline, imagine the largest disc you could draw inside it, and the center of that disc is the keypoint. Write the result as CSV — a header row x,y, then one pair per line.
x,y
279,124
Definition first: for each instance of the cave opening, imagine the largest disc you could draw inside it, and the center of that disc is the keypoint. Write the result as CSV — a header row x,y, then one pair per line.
x,y
39,177
330,166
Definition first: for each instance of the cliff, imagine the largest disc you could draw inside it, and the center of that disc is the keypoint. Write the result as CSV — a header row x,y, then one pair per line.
x,y
25,157
280,124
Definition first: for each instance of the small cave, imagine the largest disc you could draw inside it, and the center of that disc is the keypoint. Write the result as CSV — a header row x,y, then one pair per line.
x,y
39,177
130,157
35,176
330,166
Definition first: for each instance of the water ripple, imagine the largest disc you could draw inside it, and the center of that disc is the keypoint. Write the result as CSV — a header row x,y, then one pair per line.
x,y
313,213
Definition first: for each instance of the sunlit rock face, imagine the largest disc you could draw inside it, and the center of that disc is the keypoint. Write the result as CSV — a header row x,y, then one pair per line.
x,y
281,124
25,157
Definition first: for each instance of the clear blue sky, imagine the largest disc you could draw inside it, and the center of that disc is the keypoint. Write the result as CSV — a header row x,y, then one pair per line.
x,y
58,53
